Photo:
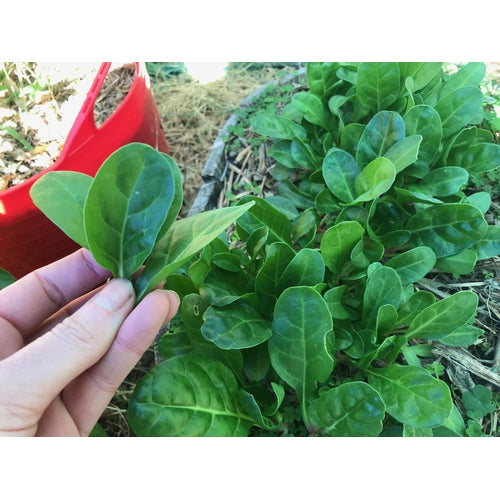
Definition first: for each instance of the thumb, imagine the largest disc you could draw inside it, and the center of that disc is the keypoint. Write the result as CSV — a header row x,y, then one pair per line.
x,y
32,377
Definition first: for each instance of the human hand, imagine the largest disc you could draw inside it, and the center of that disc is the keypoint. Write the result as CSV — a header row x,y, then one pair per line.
x,y
65,347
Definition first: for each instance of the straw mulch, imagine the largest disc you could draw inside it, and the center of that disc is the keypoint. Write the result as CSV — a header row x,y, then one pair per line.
x,y
192,115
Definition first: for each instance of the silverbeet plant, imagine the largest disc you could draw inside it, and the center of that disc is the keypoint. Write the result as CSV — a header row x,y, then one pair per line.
x,y
126,215
310,320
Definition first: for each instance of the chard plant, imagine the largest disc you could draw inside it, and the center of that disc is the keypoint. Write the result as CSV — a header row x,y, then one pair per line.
x,y
310,319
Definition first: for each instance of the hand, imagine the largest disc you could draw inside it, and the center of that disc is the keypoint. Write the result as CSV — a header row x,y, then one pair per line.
x,y
65,346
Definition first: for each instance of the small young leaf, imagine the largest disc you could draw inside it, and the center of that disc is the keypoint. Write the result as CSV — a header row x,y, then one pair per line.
x,y
478,402
338,242
311,107
412,395
374,180
383,131
404,152
61,197
183,239
188,396
353,409
489,245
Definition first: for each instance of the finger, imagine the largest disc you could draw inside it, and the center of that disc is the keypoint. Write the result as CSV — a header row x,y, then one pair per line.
x,y
29,301
34,375
87,397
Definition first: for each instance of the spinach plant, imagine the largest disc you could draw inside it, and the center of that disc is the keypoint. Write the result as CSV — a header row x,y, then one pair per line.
x,y
310,317
126,215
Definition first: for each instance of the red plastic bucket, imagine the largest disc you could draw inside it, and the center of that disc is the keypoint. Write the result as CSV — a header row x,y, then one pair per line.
x,y
28,240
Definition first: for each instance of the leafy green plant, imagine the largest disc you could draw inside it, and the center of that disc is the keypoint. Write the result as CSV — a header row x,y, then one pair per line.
x,y
310,316
478,403
126,215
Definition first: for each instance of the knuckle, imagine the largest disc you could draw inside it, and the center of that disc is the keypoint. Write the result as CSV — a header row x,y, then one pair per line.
x,y
74,332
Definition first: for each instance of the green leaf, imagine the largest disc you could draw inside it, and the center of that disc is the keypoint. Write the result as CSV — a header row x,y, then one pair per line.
x,y
338,242
297,347
261,214
378,84
419,74
444,181
126,206
277,126
413,264
278,257
333,298
322,77
414,305
448,229
6,278
235,326
305,269
382,287
463,336
482,157
188,396
478,402
412,395
374,180
61,197
489,245
459,108
383,131
471,74
460,263
444,317
311,107
425,121
177,198
405,152
340,172
353,409
183,239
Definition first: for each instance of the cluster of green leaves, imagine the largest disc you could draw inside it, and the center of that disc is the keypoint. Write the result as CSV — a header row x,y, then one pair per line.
x,y
126,215
271,100
272,323
478,403
313,308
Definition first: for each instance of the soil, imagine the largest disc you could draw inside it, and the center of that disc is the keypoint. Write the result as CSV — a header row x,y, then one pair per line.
x,y
34,125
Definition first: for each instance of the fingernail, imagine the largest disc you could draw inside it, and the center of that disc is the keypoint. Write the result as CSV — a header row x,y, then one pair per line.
x,y
115,295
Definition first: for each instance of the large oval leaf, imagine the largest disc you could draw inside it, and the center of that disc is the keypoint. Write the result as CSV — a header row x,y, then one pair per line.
x,y
352,409
126,206
378,84
482,157
188,396
412,395
311,107
297,347
459,108
61,197
443,181
448,229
